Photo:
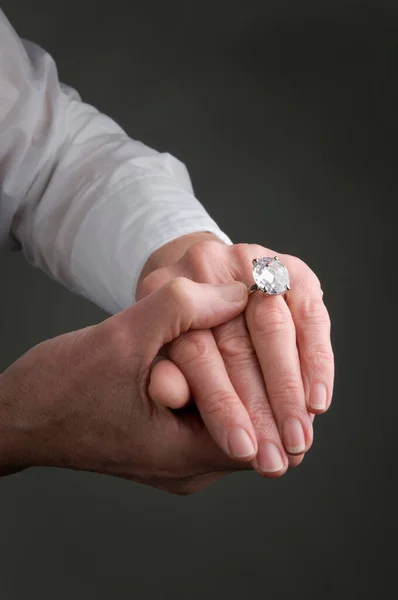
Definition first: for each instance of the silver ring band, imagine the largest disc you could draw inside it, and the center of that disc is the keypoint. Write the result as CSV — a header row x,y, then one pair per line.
x,y
253,288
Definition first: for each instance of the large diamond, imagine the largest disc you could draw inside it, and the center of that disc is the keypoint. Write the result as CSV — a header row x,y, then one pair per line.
x,y
271,276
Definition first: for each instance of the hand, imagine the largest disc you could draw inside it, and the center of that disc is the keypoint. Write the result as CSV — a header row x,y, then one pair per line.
x,y
266,367
81,401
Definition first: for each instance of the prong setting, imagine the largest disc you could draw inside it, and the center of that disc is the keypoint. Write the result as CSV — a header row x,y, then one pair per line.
x,y
271,276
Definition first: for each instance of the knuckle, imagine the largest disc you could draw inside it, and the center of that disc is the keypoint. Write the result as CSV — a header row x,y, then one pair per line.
x,y
203,258
297,267
313,312
188,347
220,403
150,284
182,296
299,264
118,337
287,390
203,247
300,267
146,288
316,282
312,278
271,318
304,276
319,355
180,291
242,252
237,346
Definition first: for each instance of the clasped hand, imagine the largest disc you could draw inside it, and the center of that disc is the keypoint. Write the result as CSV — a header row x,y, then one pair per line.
x,y
257,368
259,379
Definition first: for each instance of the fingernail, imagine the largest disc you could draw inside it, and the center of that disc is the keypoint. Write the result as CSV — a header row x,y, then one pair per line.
x,y
269,458
233,292
240,444
318,396
293,436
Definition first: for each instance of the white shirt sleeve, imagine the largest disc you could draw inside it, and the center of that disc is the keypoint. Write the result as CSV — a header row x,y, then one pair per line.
x,y
84,202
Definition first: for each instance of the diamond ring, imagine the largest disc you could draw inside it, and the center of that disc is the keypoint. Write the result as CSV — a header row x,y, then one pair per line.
x,y
271,276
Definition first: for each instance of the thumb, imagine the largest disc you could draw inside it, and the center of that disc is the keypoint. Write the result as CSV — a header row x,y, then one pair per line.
x,y
182,304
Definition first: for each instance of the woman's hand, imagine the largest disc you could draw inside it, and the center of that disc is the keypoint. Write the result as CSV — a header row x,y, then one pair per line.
x,y
273,363
81,400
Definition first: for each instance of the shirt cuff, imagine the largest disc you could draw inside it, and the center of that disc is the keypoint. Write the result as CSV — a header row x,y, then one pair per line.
x,y
121,232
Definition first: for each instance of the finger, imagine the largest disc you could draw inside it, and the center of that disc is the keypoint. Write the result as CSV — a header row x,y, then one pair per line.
x,y
197,356
274,338
313,326
168,386
183,452
180,305
295,461
188,446
237,351
176,307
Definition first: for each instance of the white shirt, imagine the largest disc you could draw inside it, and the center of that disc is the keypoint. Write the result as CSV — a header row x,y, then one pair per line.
x,y
84,202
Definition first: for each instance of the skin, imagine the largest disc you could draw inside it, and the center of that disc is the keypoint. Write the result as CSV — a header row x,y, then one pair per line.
x,y
81,400
97,399
267,369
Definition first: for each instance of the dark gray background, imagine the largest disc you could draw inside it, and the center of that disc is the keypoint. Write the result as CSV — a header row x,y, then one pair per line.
x,y
286,116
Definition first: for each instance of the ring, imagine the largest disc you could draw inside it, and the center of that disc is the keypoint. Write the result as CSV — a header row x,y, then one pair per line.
x,y
271,276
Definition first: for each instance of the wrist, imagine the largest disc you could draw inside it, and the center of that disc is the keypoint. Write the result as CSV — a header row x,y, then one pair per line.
x,y
173,251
